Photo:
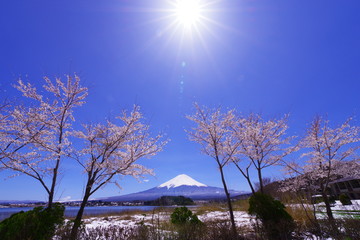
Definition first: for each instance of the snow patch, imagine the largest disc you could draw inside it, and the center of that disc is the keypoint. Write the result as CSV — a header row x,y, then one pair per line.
x,y
181,180
241,218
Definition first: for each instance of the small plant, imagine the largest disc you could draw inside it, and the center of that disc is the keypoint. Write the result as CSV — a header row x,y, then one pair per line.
x,y
187,224
182,215
37,224
344,199
276,222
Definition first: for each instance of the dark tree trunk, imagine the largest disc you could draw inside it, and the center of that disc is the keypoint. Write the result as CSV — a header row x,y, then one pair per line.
x,y
246,176
50,201
233,226
77,221
260,181
53,183
327,203
250,184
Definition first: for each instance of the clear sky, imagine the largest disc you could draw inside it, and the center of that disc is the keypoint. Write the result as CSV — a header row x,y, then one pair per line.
x,y
269,57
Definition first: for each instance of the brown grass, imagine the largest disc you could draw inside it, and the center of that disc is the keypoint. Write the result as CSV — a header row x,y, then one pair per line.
x,y
209,207
121,214
241,205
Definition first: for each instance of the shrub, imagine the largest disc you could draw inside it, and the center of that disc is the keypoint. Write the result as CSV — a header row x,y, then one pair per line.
x,y
188,225
182,215
219,230
344,199
36,224
276,222
345,229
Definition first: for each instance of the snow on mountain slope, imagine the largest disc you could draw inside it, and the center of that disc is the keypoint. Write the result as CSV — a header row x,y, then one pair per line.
x,y
181,185
181,180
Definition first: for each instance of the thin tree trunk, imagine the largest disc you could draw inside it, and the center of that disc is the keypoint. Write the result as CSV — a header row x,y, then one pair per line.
x,y
53,184
250,184
77,221
246,176
56,169
233,226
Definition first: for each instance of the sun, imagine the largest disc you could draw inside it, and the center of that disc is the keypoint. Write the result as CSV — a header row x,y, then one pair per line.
x,y
189,22
189,17
188,13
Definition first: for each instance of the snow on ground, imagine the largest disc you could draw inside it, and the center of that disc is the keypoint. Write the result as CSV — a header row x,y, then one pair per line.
x,y
241,218
339,210
124,221
355,206
107,222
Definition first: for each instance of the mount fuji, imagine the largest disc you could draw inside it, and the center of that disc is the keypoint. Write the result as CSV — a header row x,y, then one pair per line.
x,y
181,185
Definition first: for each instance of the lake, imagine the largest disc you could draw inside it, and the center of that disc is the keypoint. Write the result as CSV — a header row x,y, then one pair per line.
x,y
72,211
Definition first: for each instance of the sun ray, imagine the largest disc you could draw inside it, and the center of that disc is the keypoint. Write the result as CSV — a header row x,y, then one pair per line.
x,y
188,12
184,26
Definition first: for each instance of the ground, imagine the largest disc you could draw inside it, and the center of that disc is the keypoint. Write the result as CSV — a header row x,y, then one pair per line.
x,y
242,218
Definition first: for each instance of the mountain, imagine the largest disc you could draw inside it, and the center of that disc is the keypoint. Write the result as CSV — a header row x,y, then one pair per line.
x,y
181,185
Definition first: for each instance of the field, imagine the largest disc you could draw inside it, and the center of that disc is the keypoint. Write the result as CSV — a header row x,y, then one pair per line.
x,y
156,224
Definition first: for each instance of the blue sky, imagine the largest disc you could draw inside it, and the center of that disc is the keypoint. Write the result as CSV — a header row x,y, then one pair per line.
x,y
268,57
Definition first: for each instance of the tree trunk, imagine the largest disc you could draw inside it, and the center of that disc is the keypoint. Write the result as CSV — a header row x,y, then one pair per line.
x,y
233,226
77,221
250,184
260,181
53,183
327,203
246,176
50,200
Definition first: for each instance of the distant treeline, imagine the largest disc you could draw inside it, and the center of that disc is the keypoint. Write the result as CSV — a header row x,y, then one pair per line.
x,y
170,200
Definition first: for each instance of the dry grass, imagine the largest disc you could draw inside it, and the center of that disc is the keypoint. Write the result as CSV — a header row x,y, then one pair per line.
x,y
210,207
241,205
125,213
300,213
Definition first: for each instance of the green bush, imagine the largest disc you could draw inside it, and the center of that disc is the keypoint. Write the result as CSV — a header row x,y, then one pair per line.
x,y
36,224
276,222
182,215
188,226
344,199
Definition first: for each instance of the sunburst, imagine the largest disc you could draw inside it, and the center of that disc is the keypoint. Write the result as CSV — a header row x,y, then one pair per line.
x,y
188,13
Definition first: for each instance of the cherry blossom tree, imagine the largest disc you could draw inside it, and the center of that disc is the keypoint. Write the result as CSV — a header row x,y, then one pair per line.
x,y
213,133
34,140
262,144
9,142
3,126
112,150
331,156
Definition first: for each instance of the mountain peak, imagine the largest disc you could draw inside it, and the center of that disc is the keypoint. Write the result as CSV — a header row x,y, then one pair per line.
x,y
180,180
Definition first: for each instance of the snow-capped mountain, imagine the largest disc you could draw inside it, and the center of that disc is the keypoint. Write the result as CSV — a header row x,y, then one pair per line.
x,y
181,180
181,185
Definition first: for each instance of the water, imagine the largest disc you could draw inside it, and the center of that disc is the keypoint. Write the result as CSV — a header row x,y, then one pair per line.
x,y
72,211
